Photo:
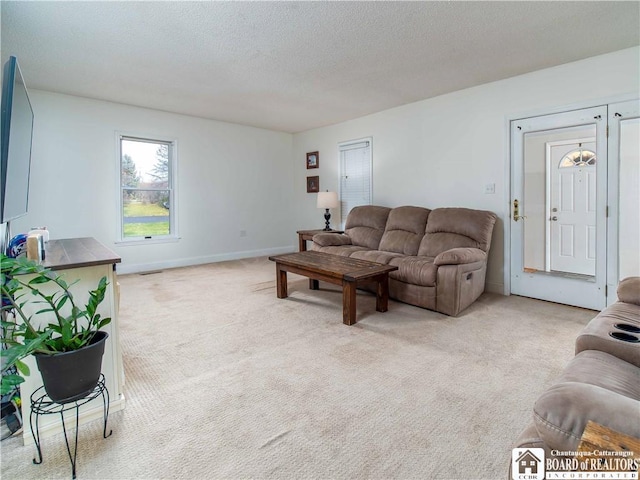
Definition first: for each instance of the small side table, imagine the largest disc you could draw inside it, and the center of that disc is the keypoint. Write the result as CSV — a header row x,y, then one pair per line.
x,y
307,235
41,404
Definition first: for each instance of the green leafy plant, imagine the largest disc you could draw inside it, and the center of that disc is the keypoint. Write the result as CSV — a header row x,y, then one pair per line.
x,y
70,327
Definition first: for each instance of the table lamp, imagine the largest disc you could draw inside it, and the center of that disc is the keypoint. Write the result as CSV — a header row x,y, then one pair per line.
x,y
327,200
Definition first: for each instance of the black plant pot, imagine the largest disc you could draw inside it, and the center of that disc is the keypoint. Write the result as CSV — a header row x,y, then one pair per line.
x,y
70,376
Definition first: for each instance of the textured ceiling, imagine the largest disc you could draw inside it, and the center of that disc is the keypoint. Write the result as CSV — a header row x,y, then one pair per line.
x,y
293,66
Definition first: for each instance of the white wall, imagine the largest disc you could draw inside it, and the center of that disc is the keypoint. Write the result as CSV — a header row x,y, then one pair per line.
x,y
437,152
230,178
443,151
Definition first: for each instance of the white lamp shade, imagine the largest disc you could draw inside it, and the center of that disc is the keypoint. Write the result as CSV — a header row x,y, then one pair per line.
x,y
328,200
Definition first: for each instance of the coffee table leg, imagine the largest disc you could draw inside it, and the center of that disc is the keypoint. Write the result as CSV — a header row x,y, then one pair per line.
x,y
382,297
314,284
281,282
348,303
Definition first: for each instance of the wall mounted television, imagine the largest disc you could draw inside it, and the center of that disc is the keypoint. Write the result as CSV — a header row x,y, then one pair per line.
x,y
16,135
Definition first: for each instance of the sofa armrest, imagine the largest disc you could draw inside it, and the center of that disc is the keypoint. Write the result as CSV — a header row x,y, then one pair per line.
x,y
629,290
459,256
331,239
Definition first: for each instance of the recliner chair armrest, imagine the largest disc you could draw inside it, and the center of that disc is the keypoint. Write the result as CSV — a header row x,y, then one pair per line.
x,y
331,239
629,290
459,256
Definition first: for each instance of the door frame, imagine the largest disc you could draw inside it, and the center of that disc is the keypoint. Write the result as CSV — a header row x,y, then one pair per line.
x,y
508,192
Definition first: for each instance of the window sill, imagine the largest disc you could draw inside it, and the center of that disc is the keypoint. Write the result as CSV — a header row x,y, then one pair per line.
x,y
147,241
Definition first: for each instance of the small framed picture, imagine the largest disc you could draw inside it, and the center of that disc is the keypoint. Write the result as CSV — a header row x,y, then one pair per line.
x,y
313,184
313,160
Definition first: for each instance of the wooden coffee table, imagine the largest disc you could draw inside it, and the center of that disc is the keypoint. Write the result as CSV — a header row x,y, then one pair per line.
x,y
345,271
598,441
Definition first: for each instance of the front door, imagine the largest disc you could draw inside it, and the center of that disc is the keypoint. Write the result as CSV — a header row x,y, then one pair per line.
x,y
559,255
572,207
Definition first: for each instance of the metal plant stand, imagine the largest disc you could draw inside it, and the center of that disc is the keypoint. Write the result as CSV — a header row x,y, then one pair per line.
x,y
41,404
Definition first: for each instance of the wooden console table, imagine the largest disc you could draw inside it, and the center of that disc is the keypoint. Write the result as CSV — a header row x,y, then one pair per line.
x,y
345,271
85,260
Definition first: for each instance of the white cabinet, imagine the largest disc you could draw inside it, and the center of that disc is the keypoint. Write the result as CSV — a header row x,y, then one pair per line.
x,y
85,260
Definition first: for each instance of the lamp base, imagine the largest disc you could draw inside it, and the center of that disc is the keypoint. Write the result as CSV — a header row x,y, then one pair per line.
x,y
327,217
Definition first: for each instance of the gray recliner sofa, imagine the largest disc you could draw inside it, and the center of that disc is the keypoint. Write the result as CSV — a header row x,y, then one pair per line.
x,y
441,254
600,384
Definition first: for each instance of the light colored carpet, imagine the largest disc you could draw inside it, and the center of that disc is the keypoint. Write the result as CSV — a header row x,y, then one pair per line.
x,y
225,381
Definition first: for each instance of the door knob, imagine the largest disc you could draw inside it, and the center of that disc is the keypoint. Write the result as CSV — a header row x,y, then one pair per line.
x,y
555,219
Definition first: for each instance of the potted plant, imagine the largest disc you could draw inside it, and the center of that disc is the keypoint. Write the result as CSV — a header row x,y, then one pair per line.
x,y
65,339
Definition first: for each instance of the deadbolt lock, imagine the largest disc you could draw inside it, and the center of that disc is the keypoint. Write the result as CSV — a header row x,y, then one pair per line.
x,y
516,211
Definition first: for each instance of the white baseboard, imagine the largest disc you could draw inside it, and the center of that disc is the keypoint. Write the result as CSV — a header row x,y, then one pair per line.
x,y
124,269
494,287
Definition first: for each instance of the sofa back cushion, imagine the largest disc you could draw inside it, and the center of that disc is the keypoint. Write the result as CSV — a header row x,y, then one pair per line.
x,y
365,225
457,227
405,230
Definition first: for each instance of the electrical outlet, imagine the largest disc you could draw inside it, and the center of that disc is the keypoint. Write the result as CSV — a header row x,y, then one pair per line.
x,y
490,188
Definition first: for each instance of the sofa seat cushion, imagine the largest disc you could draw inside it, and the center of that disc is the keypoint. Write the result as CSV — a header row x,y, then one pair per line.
x,y
419,271
594,386
342,250
613,319
404,230
375,256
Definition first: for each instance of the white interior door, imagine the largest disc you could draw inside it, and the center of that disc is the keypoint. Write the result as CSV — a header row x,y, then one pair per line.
x,y
535,272
572,217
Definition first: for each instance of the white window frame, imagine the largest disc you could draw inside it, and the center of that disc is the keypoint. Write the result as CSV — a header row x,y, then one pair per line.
x,y
172,187
368,170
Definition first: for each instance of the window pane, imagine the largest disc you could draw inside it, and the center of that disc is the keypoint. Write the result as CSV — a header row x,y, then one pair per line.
x,y
628,224
145,213
145,164
578,158
557,203
355,176
146,187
